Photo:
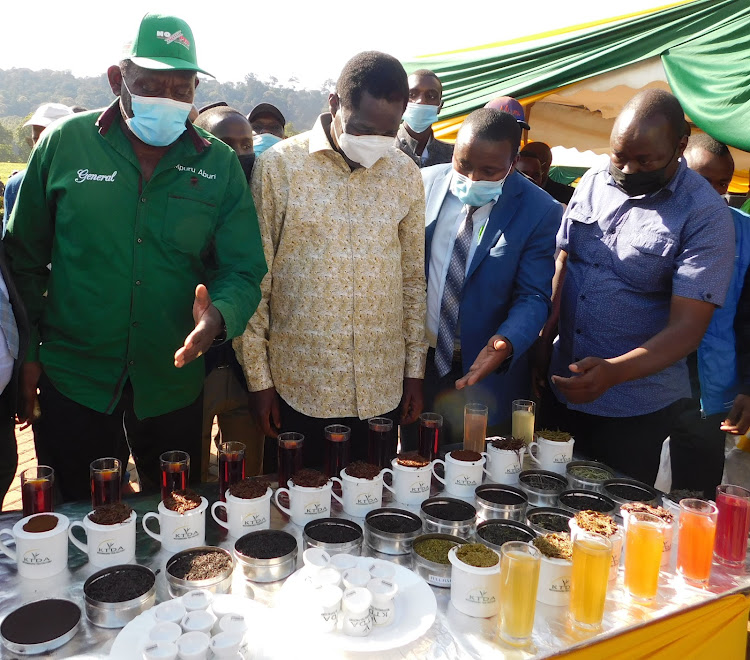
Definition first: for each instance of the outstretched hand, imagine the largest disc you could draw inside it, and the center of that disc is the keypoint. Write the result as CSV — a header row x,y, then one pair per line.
x,y
208,325
490,358
592,377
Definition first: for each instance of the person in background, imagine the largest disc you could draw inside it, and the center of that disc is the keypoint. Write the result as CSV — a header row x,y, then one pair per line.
x,y
225,394
559,191
490,243
697,446
415,137
530,166
646,256
268,126
339,334
44,115
512,107
127,204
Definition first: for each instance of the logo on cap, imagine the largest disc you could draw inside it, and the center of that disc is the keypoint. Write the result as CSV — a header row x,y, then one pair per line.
x,y
171,38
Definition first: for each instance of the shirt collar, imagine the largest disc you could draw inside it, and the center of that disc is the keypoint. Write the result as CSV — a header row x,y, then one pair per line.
x,y
319,140
113,113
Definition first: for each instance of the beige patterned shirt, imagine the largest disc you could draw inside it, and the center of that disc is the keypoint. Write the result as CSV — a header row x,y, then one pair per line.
x,y
342,317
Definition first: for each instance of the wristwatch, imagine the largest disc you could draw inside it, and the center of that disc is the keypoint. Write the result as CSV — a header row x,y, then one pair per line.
x,y
221,337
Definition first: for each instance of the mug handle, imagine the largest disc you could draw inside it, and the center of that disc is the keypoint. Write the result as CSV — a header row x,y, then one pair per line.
x,y
435,474
83,547
388,471
215,506
531,453
340,500
276,500
4,548
486,463
146,516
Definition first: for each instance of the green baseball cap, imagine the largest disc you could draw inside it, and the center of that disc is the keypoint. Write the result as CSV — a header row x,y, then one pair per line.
x,y
162,43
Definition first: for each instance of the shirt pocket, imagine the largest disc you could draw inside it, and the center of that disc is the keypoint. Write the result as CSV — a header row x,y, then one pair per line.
x,y
188,223
580,233
646,260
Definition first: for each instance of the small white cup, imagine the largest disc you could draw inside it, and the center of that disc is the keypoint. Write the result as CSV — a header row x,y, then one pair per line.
x,y
198,621
306,504
343,562
244,515
411,486
326,604
382,608
194,646
165,631
327,576
360,496
226,644
355,604
160,651
355,577
38,555
550,454
233,623
382,569
179,531
197,599
106,545
504,465
172,611
461,477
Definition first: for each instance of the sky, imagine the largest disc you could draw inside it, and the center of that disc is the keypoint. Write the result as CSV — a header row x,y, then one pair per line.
x,y
300,39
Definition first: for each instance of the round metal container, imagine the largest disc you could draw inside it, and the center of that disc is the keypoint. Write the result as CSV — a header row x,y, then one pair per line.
x,y
561,515
525,531
391,543
497,501
117,615
267,570
542,496
435,523
583,483
36,609
437,575
349,547
221,584
586,500
633,491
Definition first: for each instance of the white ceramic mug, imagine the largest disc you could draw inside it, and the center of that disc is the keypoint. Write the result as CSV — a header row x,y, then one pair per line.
x,y
552,455
360,496
554,581
411,486
504,465
306,503
475,591
461,477
179,531
39,555
244,515
106,545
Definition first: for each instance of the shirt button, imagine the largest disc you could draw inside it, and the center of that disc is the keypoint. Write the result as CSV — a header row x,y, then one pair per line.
x,y
578,331
583,296
131,362
708,296
143,200
138,283
140,240
135,324
596,265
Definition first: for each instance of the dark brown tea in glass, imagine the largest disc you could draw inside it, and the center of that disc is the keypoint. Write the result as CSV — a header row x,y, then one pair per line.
x,y
37,485
106,479
429,434
337,449
381,442
231,466
289,455
175,472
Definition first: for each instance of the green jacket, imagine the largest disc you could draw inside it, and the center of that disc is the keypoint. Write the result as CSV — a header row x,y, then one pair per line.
x,y
126,257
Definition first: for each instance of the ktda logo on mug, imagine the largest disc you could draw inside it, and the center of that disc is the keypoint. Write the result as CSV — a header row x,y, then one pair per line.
x,y
185,533
419,486
365,499
253,520
109,547
35,558
480,597
315,508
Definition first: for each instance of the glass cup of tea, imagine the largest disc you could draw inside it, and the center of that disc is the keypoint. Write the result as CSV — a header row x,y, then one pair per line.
x,y
289,453
523,420
106,479
430,424
337,449
381,447
231,466
475,426
175,472
37,487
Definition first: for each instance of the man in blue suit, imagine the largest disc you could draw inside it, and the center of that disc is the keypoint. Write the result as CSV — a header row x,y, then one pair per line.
x,y
490,243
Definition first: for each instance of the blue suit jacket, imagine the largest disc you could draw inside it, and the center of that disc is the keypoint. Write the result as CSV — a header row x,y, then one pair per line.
x,y
509,282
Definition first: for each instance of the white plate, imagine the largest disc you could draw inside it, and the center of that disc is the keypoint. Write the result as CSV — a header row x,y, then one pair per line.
x,y
129,643
415,604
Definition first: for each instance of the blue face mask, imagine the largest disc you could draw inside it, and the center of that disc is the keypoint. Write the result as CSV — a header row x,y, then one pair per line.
x,y
156,120
263,141
420,116
476,193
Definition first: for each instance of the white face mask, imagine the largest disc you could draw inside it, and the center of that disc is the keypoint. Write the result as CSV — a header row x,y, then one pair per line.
x,y
364,149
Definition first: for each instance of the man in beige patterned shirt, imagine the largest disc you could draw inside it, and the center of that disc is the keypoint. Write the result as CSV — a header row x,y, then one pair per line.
x,y
339,334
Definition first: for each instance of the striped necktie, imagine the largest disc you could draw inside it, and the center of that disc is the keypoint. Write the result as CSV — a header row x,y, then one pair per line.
x,y
454,282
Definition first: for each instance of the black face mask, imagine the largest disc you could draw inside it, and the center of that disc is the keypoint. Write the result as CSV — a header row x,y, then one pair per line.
x,y
247,163
641,183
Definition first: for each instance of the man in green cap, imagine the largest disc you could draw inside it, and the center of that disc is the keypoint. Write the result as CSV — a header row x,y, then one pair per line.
x,y
143,218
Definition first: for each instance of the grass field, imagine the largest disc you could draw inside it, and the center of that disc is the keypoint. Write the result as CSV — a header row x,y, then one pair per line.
x,y
7,168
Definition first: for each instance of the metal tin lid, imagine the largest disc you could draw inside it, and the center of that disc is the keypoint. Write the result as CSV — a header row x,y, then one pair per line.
x,y
40,626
